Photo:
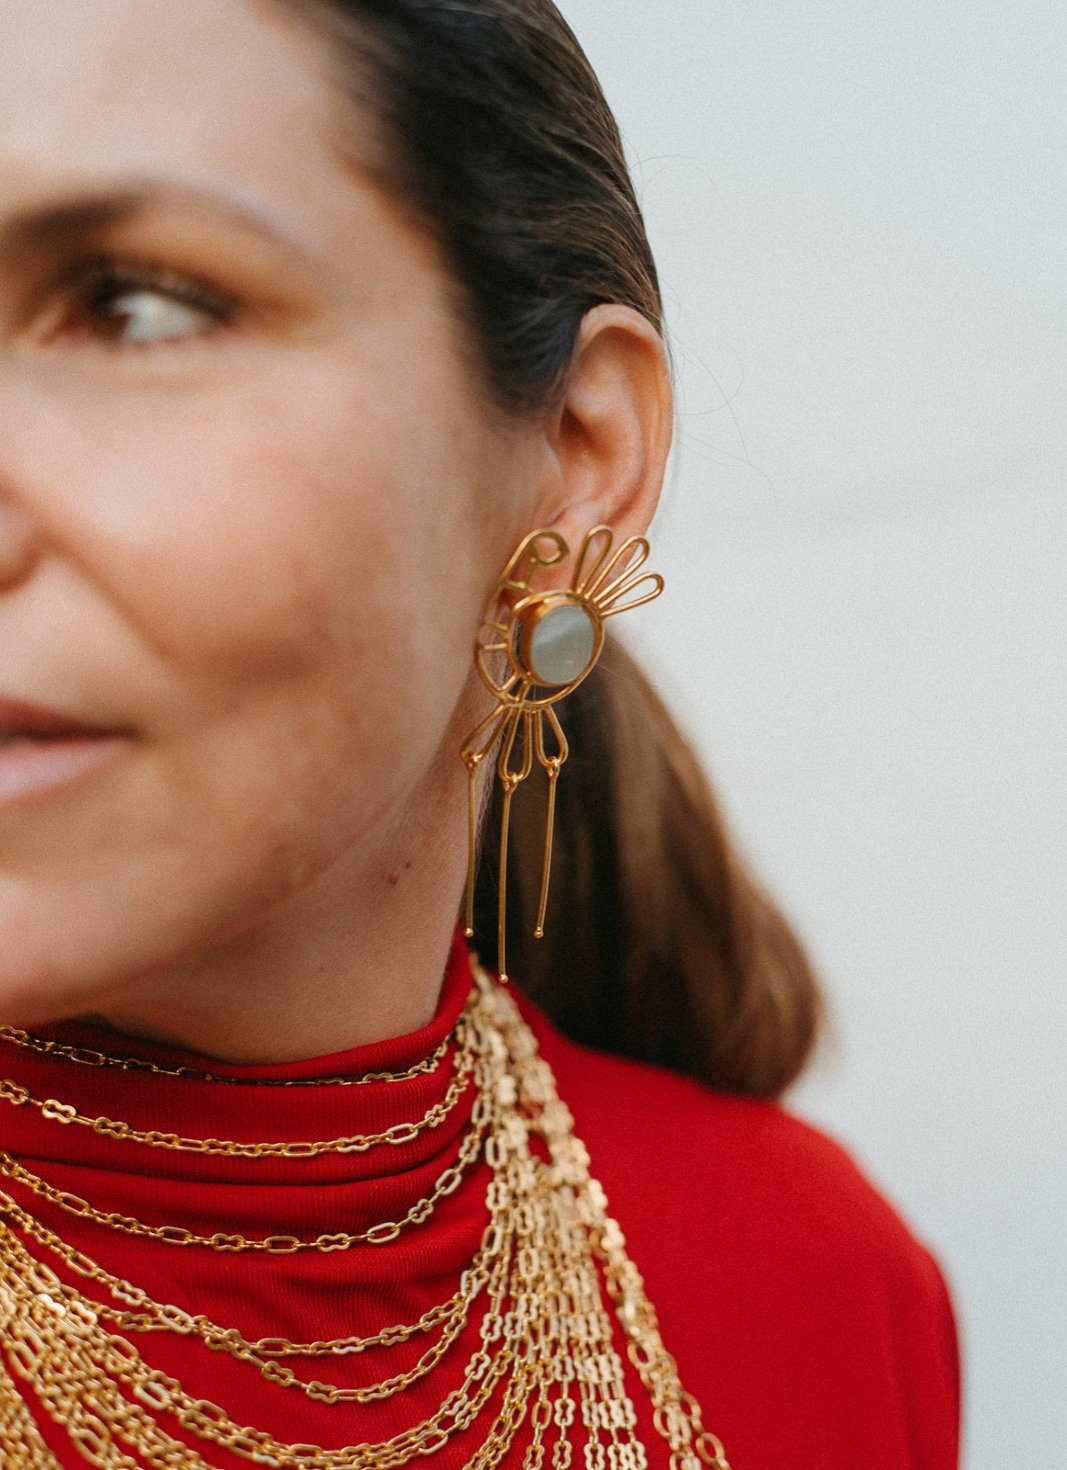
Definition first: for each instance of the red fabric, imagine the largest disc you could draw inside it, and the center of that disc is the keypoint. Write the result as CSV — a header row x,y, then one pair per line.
x,y
813,1328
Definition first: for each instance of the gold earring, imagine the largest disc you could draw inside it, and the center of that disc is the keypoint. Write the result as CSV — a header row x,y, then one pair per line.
x,y
531,657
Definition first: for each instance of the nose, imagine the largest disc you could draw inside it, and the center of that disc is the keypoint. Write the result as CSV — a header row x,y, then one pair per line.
x,y
18,545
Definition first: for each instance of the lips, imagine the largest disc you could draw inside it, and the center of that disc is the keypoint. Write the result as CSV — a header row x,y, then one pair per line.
x,y
42,749
22,721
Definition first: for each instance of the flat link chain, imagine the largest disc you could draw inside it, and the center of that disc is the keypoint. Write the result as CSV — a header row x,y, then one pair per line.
x,y
550,1261
395,1136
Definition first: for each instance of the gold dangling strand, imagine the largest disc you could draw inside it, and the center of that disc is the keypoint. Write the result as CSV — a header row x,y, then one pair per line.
x,y
550,828
530,658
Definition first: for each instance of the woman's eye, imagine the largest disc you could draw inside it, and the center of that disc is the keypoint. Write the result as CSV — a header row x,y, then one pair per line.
x,y
134,308
142,316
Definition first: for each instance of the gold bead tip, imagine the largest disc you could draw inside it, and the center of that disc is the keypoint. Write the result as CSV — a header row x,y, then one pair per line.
x,y
468,931
539,934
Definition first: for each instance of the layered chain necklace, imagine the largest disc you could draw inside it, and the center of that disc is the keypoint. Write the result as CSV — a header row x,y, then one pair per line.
x,y
549,1260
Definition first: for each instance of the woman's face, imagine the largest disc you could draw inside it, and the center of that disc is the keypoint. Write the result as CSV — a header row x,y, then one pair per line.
x,y
251,499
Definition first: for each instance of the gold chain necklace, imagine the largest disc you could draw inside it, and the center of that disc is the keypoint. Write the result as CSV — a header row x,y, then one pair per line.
x,y
546,1339
274,1245
395,1136
264,1354
89,1057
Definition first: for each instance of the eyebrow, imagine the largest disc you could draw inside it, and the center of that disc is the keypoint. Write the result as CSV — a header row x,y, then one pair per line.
x,y
49,225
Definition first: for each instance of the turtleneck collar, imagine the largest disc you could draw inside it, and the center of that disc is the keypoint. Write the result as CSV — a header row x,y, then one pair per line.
x,y
245,1103
208,1193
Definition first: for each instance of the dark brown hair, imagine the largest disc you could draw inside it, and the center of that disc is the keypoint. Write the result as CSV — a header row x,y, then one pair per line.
x,y
493,132
659,944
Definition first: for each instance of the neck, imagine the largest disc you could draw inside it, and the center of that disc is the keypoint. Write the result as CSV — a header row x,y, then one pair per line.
x,y
356,956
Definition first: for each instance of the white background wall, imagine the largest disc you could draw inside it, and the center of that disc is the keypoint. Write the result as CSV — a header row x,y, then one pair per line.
x,y
854,205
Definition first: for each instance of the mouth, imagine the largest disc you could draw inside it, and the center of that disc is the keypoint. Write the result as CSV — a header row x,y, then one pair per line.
x,y
42,750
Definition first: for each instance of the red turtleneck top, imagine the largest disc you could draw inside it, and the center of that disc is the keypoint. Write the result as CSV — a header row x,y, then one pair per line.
x,y
814,1329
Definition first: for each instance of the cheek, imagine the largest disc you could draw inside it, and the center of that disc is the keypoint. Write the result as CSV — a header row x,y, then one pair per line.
x,y
311,593
245,558
294,575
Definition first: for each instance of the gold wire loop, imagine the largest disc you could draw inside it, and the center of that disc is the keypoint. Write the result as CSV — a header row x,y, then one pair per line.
x,y
607,580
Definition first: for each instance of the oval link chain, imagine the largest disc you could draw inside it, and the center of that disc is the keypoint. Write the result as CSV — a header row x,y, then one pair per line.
x,y
395,1136
89,1057
276,1245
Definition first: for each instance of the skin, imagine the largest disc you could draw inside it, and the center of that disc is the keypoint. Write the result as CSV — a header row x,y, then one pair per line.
x,y
254,529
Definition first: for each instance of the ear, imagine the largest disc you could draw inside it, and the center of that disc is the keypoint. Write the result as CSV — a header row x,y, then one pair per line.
x,y
606,443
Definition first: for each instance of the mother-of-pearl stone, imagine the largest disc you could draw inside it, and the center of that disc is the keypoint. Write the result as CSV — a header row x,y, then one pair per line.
x,y
562,644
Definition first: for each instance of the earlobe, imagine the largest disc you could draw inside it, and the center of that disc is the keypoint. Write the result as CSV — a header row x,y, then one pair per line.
x,y
611,434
